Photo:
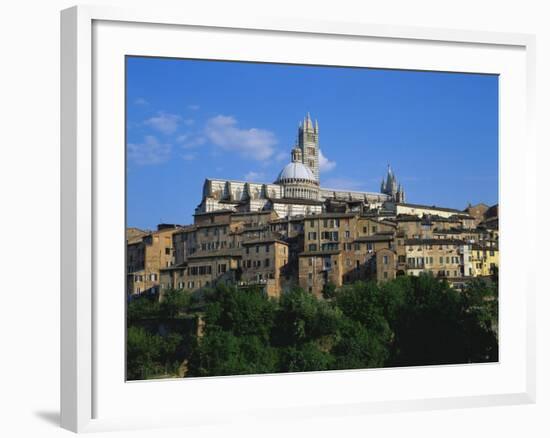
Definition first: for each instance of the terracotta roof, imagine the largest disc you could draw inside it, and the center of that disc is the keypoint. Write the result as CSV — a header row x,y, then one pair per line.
x,y
434,242
314,253
375,238
432,207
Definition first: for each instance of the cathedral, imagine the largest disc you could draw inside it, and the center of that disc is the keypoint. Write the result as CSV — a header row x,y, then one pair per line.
x,y
297,190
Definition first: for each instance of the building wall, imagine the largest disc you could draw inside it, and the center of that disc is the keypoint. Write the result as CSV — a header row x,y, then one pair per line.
x,y
318,269
145,259
265,263
484,260
386,264
442,258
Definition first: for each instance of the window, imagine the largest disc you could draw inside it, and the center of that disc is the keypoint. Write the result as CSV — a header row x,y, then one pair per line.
x,y
357,264
167,251
310,275
357,246
266,264
247,250
310,262
312,247
267,248
347,234
311,224
385,259
374,228
385,274
257,249
369,246
365,230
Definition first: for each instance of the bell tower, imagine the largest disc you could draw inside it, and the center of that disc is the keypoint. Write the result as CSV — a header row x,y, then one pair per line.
x,y
308,142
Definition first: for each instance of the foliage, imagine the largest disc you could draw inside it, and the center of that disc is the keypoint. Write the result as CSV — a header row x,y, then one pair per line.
x,y
403,322
329,291
149,355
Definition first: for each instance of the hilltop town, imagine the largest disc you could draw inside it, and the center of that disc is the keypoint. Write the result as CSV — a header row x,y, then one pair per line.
x,y
293,232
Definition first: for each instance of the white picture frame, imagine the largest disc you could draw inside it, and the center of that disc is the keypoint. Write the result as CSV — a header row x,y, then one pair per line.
x,y
87,372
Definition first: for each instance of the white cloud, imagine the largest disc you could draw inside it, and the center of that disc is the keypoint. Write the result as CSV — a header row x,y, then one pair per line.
x,y
188,122
189,157
164,122
150,151
189,141
140,101
193,107
325,165
253,143
281,156
253,176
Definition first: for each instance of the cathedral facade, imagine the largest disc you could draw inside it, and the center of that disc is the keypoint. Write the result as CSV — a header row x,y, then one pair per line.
x,y
297,190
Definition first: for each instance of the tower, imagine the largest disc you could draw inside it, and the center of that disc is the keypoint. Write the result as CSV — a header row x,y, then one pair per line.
x,y
391,187
308,142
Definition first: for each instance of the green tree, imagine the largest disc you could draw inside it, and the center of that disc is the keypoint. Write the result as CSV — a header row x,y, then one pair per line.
x,y
366,304
174,302
436,324
306,357
302,318
221,353
149,355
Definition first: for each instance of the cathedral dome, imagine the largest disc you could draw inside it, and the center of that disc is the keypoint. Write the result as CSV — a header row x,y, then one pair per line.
x,y
296,171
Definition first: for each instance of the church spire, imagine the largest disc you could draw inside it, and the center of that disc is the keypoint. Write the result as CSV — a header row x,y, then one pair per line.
x,y
391,187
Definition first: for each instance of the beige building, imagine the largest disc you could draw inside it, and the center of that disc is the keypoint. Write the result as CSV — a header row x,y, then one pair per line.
x,y
146,255
265,263
441,257
293,231
485,260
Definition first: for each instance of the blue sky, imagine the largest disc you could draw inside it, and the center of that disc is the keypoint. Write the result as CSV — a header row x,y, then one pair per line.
x,y
188,120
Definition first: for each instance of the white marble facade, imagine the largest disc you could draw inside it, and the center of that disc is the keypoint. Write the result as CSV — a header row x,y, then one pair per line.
x,y
296,190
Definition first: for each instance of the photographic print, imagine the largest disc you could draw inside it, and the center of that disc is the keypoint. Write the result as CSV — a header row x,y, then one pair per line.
x,y
292,218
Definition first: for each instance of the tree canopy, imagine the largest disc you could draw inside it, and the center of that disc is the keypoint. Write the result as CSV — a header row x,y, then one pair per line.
x,y
404,322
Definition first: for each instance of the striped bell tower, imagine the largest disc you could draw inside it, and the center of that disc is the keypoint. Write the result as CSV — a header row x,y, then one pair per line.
x,y
308,142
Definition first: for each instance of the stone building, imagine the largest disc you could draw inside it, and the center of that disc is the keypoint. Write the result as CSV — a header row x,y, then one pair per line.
x,y
146,255
485,260
265,263
294,232
441,257
297,190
